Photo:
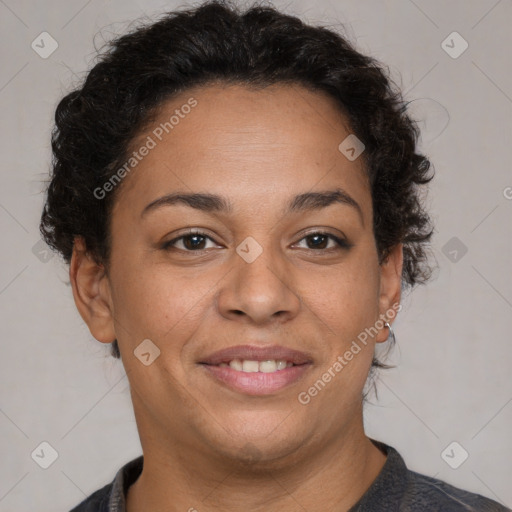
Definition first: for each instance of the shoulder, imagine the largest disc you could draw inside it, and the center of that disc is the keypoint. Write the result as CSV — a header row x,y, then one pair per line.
x,y
399,489
96,502
424,493
112,496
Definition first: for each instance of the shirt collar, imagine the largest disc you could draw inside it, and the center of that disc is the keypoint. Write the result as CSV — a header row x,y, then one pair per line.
x,y
125,477
387,490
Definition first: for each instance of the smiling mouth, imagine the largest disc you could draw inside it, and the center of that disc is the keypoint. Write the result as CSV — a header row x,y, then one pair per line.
x,y
255,369
252,377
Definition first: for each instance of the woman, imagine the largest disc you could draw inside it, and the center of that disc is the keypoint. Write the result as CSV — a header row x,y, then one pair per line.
x,y
237,196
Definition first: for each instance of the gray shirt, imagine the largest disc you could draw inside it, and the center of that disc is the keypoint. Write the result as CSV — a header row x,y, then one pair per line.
x,y
396,488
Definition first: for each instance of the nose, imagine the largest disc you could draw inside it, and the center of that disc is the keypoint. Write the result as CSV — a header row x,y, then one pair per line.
x,y
259,292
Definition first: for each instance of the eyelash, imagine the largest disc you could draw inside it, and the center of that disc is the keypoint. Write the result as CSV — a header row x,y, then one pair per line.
x,y
342,244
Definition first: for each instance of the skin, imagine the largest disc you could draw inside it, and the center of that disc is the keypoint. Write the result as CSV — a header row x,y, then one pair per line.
x,y
205,446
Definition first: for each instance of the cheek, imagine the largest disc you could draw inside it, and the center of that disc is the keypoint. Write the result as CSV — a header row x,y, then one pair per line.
x,y
347,310
151,301
347,300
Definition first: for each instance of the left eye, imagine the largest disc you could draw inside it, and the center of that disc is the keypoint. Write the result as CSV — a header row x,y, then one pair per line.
x,y
320,238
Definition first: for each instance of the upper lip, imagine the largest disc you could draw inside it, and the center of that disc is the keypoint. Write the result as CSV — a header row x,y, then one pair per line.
x,y
257,353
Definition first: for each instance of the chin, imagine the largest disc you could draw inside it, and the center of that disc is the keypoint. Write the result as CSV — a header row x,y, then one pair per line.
x,y
262,446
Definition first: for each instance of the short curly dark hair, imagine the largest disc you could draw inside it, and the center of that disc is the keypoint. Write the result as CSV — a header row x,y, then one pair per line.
x,y
216,41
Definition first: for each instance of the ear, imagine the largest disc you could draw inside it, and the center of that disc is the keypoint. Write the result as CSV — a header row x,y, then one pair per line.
x,y
390,288
91,291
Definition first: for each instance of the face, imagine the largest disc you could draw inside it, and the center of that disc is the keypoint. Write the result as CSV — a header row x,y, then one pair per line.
x,y
276,261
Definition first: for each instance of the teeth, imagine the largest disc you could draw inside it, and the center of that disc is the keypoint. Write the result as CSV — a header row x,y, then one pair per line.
x,y
248,366
236,364
281,365
268,366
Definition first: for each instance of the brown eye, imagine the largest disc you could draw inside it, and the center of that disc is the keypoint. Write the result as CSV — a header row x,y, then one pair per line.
x,y
320,240
191,242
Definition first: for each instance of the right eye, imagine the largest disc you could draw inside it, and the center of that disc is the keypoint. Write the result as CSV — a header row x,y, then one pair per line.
x,y
191,242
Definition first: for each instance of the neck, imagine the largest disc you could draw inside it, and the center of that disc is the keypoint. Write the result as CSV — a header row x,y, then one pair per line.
x,y
330,478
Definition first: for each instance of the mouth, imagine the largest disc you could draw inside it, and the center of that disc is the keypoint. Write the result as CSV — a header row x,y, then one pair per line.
x,y
257,370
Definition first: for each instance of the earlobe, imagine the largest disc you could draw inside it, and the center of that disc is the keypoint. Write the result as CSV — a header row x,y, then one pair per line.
x,y
390,288
91,292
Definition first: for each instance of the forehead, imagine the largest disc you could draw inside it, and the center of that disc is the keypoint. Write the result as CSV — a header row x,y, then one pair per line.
x,y
252,145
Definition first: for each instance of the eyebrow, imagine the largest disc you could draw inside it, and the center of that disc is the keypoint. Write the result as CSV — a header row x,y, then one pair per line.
x,y
307,201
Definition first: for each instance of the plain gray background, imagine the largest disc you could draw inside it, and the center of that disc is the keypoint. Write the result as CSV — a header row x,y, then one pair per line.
x,y
453,380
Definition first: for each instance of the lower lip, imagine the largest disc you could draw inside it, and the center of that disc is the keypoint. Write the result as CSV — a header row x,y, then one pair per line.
x,y
257,383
